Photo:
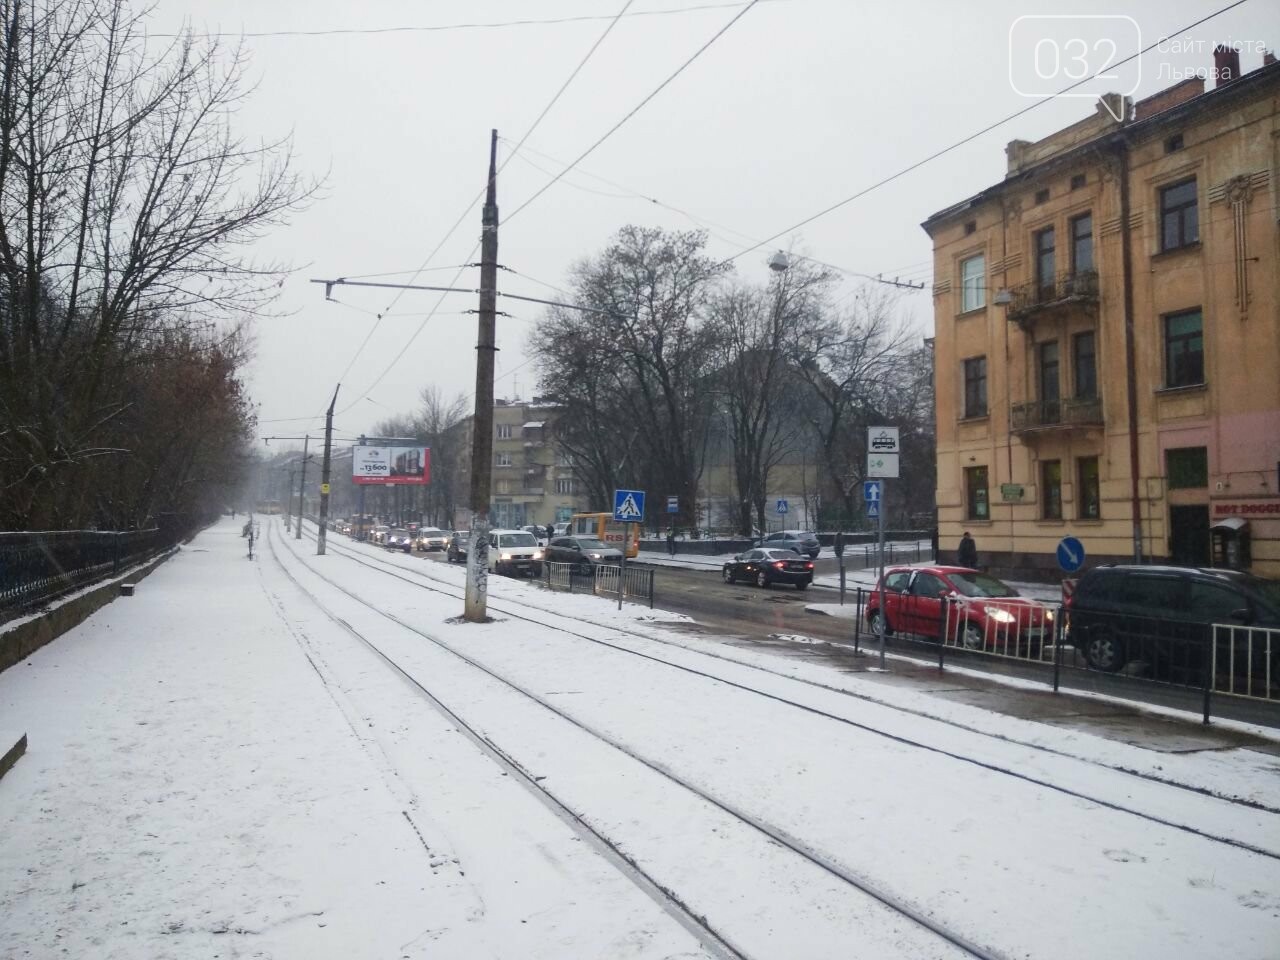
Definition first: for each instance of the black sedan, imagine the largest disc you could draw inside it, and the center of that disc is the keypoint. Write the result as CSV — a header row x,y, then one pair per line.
x,y
583,552
767,566
456,551
399,539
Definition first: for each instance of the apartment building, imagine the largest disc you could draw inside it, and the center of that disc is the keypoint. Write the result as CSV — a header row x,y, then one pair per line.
x,y
1107,353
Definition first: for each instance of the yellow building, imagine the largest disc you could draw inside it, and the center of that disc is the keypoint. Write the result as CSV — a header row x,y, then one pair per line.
x,y
1107,354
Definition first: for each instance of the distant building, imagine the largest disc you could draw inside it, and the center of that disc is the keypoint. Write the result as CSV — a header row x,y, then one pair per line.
x,y
1107,354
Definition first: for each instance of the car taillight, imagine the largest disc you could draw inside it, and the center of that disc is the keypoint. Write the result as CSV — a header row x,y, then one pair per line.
x,y
809,566
779,564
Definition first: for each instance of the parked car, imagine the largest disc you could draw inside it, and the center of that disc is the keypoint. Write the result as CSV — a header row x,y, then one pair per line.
x,y
539,533
765,567
799,541
986,612
561,529
379,534
585,553
431,538
514,552
456,551
397,538
1163,616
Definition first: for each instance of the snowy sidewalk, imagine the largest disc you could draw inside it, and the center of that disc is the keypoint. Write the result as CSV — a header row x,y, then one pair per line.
x,y
193,789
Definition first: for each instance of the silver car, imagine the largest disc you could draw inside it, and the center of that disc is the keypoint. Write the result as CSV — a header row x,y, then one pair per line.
x,y
801,541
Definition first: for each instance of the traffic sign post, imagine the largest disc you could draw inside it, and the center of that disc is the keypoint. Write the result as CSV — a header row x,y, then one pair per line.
x,y
882,461
783,507
673,504
628,508
1070,554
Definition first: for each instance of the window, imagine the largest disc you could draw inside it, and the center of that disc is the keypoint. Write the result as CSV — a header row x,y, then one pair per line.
x,y
1088,489
1161,594
1051,489
973,291
564,459
1183,349
503,460
1042,196
1179,216
1084,361
1173,144
927,585
897,582
1050,386
1215,603
1187,467
504,431
975,485
1044,244
971,226
564,485
502,487
975,387
1082,243
1078,181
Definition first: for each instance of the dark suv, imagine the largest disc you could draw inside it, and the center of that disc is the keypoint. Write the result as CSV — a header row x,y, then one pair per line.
x,y
1163,616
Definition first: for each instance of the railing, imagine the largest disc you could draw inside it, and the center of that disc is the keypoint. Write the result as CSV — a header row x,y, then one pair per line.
x,y
1073,412
1218,660
1078,286
36,567
636,583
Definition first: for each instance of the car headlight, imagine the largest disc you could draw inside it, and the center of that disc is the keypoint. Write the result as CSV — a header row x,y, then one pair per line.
x,y
1048,614
505,556
595,556
1001,616
537,554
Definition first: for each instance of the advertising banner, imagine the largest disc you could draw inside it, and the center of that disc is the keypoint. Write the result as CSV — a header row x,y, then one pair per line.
x,y
391,465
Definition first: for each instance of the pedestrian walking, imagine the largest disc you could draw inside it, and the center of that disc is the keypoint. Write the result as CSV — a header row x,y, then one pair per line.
x,y
671,541
551,532
838,543
967,555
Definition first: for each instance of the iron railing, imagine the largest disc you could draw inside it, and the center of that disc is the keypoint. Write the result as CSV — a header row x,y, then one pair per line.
x,y
635,583
36,567
1072,412
1075,287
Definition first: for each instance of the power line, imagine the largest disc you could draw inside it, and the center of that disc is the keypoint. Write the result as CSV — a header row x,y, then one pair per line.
x,y
987,129
638,107
532,127
445,27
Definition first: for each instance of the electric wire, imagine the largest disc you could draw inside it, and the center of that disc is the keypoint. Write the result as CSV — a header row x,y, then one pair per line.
x,y
985,130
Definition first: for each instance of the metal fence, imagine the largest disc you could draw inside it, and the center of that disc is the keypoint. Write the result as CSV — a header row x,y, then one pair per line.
x,y
1221,659
36,567
635,583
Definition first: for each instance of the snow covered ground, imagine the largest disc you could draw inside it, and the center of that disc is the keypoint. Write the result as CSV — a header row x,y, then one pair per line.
x,y
309,757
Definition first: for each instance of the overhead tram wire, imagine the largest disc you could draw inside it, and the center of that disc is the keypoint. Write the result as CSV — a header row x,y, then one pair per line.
x,y
636,109
471,206
987,129
445,27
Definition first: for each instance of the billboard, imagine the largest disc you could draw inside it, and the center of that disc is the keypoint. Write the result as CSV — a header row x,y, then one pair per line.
x,y
391,465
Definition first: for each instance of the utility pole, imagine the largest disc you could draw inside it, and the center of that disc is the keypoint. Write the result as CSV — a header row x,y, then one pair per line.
x,y
288,511
476,603
302,485
324,472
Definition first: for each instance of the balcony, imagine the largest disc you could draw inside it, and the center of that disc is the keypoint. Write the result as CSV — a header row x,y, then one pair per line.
x,y
1038,416
1066,291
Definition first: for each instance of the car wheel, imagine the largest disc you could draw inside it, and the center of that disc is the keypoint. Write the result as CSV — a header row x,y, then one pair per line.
x,y
1102,650
971,638
727,574
803,585
874,621
762,580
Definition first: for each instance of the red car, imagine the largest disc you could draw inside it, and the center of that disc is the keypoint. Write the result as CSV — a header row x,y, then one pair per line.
x,y
984,613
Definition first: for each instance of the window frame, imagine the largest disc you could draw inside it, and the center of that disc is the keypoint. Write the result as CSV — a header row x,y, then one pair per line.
x,y
977,499
503,431
1045,284
1075,237
502,459
1088,489
978,290
1174,359
1076,366
1189,463
1188,226
975,387
1050,489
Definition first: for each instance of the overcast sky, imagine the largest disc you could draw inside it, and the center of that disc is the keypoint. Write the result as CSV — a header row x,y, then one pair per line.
x,y
800,104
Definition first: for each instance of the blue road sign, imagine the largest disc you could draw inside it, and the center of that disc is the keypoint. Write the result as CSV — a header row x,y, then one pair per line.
x,y
673,504
1070,554
782,506
871,491
628,506
873,509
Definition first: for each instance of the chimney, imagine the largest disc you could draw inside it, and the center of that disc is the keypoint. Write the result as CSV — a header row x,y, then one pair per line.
x,y
1268,58
1226,64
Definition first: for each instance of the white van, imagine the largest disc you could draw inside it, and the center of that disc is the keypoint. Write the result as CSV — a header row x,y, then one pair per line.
x,y
515,553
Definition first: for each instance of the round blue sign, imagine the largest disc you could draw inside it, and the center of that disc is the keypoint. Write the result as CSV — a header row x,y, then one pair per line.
x,y
1070,554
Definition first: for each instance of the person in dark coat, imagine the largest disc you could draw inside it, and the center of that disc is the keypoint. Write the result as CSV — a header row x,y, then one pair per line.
x,y
967,555
671,541
551,531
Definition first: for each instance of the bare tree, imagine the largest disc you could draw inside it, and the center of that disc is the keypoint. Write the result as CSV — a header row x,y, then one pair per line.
x,y
440,418
127,210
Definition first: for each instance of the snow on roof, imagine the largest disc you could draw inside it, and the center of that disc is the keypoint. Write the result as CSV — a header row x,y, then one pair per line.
x,y
533,423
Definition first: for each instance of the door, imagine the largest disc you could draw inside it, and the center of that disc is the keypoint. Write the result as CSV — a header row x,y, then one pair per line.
x,y
1189,535
924,604
895,589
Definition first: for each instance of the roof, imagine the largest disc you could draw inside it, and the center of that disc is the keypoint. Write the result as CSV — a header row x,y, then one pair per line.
x,y
533,423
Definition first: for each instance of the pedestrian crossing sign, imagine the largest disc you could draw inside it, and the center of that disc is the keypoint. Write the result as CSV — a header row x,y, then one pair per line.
x,y
628,506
